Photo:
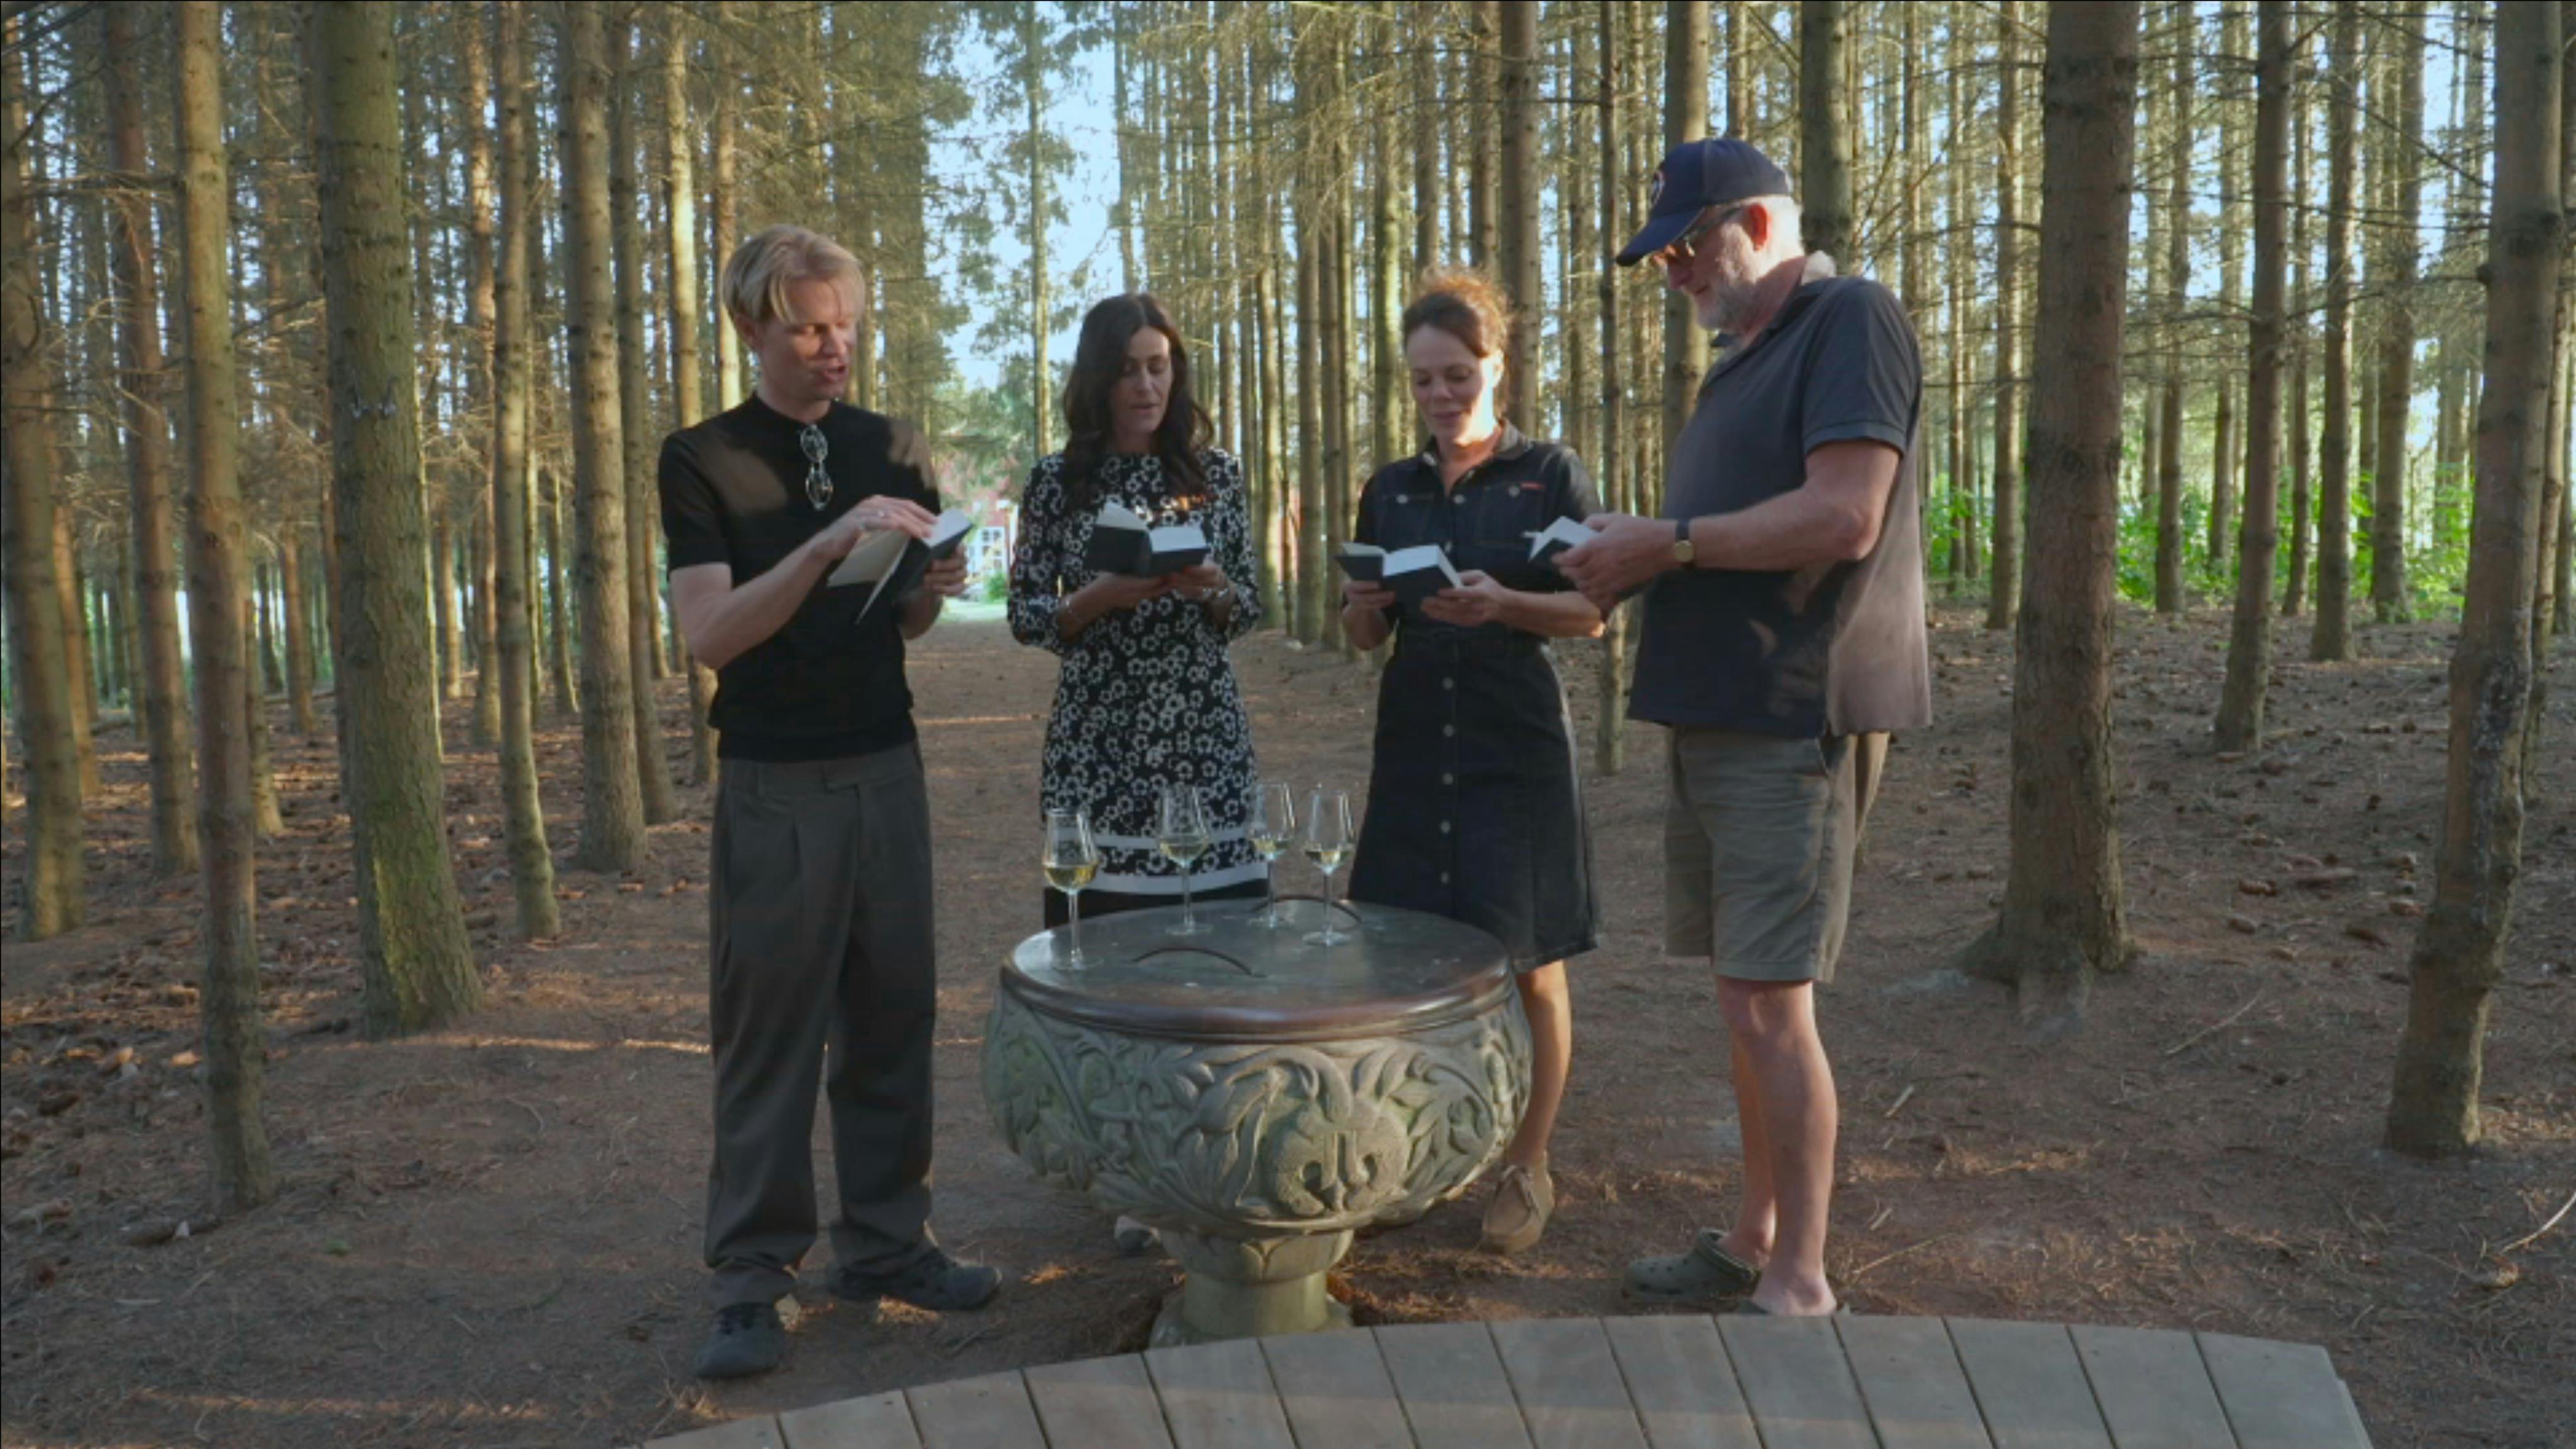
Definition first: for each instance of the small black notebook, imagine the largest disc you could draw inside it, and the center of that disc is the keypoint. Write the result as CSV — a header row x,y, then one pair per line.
x,y
1365,562
1121,543
894,560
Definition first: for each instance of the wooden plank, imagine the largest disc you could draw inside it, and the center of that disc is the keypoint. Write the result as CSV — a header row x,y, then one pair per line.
x,y
881,1422
1568,1384
1679,1379
754,1433
2278,1395
1219,1396
1098,1401
1796,1382
1334,1388
2030,1385
1910,1378
1452,1385
2152,1388
991,1412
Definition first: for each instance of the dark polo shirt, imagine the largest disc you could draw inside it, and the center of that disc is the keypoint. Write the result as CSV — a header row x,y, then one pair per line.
x,y
1485,522
1836,648
733,492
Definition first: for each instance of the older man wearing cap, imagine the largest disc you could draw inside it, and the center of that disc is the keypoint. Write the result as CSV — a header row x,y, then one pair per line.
x,y
1783,640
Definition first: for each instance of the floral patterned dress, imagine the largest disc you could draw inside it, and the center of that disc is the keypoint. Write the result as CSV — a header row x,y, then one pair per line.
x,y
1145,697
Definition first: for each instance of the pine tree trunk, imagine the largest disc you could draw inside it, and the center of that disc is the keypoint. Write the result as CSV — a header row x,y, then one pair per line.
x,y
480,205
561,619
2063,918
2003,589
635,471
54,896
612,833
1386,286
1425,100
218,576
2170,596
1957,518
2249,648
721,194
688,394
1824,130
71,590
1033,89
2295,409
2388,589
1517,204
416,969
1311,572
1610,708
1484,227
2459,955
1686,46
163,712
512,665
268,820
2332,637
2225,446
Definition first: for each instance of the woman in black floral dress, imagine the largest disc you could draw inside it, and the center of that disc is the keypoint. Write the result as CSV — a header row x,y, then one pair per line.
x,y
1146,697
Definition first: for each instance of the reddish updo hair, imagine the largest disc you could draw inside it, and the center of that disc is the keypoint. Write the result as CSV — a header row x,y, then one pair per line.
x,y
1468,305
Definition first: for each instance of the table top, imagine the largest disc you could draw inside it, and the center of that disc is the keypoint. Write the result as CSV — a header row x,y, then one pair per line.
x,y
1240,981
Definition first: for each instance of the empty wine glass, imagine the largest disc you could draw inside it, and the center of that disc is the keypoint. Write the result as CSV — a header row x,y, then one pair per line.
x,y
1328,844
1071,860
1184,838
1272,826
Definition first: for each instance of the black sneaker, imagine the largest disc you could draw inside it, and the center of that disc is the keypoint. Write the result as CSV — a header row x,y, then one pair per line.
x,y
748,1339
934,1281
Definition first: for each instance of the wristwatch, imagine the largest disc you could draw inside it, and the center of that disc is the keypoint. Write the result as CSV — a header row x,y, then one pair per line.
x,y
1682,552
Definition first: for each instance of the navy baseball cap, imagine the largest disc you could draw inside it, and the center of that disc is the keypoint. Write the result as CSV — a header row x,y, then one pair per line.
x,y
1697,175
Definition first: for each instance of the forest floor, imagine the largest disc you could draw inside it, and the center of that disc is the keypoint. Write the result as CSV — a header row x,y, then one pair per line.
x,y
489,1235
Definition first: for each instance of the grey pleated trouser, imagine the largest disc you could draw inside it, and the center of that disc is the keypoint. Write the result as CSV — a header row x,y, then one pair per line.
x,y
822,954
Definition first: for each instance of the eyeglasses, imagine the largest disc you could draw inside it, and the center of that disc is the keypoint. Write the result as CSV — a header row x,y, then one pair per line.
x,y
818,484
1686,246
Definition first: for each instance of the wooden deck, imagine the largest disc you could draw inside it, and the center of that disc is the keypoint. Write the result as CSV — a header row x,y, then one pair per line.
x,y
1662,1382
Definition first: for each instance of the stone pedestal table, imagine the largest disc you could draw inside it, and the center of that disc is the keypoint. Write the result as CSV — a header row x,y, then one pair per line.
x,y
1256,1098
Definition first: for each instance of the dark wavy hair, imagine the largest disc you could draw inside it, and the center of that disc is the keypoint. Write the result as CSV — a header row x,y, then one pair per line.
x,y
1099,359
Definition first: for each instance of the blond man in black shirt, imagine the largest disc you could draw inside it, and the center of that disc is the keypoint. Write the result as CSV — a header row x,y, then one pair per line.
x,y
820,887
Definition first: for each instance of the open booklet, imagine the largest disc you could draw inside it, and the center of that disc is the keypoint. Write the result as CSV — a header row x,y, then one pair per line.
x,y
894,560
1121,543
1411,574
1559,536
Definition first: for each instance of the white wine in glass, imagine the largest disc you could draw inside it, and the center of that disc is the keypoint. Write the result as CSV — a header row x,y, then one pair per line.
x,y
1071,862
1184,838
1272,826
1328,843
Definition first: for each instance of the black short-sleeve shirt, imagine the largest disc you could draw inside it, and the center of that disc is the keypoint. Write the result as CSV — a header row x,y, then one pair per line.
x,y
733,492
1486,521
1827,650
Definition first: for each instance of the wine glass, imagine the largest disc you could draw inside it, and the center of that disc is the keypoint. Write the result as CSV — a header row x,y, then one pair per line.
x,y
1328,844
1272,826
1071,861
1184,838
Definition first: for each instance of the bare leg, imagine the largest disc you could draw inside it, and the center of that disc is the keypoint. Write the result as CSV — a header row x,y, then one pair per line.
x,y
1757,1217
1774,1026
1551,1021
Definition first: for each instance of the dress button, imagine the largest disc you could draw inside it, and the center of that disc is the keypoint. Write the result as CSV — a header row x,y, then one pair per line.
x,y
1448,683
1444,827
1448,729
1447,778
1444,877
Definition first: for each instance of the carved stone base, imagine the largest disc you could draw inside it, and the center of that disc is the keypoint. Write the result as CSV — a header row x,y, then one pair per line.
x,y
1245,1288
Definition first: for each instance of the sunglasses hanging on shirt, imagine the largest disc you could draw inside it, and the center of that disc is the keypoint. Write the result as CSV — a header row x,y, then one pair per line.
x,y
818,484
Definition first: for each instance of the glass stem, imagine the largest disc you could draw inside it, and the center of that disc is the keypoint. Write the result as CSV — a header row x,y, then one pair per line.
x,y
1188,921
1270,893
1073,900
